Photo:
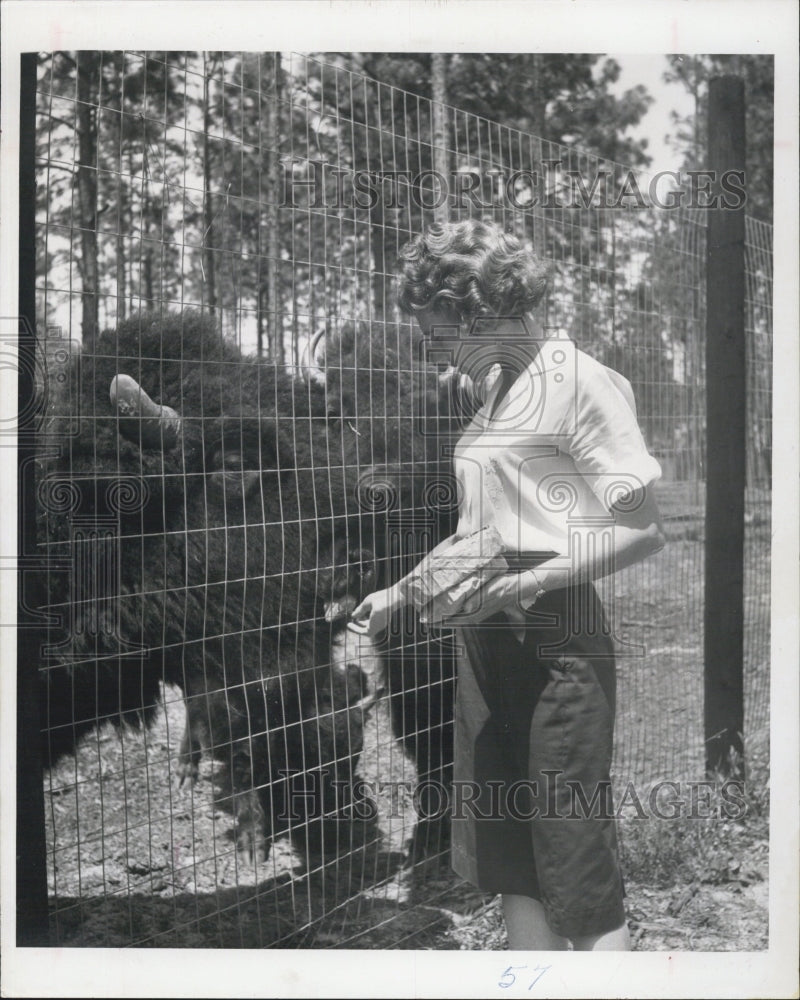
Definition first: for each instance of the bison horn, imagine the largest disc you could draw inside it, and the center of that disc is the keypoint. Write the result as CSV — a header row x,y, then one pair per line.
x,y
312,370
140,419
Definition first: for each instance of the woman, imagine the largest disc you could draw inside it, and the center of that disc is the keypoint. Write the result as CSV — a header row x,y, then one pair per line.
x,y
556,463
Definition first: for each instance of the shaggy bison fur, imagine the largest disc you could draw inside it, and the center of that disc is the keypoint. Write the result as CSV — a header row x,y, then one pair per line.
x,y
208,559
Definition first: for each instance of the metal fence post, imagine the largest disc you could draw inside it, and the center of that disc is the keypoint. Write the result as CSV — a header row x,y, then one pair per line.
x,y
725,441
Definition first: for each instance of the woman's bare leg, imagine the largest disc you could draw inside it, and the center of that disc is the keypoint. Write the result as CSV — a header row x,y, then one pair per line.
x,y
617,940
526,926
528,930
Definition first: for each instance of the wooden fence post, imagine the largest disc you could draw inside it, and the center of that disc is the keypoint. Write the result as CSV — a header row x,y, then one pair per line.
x,y
31,873
725,439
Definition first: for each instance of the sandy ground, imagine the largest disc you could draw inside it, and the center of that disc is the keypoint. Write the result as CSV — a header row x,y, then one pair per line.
x,y
134,860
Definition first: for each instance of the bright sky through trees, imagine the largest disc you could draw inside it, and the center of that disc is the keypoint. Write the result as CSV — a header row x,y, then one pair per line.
x,y
648,70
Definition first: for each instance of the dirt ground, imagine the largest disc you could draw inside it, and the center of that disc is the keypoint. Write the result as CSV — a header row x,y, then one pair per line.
x,y
170,877
134,860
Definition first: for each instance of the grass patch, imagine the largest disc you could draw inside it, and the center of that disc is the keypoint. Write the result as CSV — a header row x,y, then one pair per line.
x,y
720,833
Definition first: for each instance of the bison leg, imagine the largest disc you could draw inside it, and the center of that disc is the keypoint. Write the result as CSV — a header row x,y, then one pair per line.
x,y
229,724
421,709
251,842
337,819
190,754
428,847
338,814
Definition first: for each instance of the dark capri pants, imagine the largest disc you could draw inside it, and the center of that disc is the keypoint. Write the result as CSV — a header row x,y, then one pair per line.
x,y
522,711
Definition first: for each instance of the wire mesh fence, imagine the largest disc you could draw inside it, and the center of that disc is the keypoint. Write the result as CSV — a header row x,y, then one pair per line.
x,y
223,229
758,493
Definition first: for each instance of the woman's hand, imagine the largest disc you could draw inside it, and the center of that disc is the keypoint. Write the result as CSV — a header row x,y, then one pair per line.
x,y
373,614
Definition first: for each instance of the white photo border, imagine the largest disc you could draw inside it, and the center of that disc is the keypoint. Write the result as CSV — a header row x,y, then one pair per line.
x,y
658,27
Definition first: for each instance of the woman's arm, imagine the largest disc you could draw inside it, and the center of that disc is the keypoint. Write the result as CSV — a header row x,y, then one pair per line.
x,y
637,533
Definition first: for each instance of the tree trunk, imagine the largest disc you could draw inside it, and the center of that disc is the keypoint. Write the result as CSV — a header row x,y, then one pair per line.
x,y
378,239
295,328
537,127
135,284
121,283
260,320
208,207
537,95
612,272
382,237
87,190
271,216
122,197
441,155
147,251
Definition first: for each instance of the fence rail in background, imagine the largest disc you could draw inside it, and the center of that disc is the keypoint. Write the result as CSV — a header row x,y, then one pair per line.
x,y
244,203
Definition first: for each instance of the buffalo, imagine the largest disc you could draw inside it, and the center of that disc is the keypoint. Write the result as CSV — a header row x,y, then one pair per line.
x,y
207,532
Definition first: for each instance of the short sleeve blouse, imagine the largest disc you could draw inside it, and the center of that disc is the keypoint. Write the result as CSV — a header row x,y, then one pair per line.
x,y
562,448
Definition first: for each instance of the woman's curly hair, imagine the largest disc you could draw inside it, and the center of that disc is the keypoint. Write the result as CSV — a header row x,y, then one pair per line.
x,y
470,269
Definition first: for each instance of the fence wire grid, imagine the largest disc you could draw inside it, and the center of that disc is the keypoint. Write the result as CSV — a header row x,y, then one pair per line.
x,y
199,221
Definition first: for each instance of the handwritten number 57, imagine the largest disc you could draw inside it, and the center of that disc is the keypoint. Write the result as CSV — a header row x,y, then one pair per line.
x,y
509,977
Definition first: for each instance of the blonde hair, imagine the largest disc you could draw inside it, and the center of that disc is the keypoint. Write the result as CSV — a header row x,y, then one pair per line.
x,y
468,269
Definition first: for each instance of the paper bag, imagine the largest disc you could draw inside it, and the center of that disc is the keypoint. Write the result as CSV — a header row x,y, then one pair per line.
x,y
444,580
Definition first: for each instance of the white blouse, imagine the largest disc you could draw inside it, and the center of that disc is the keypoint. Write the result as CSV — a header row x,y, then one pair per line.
x,y
562,448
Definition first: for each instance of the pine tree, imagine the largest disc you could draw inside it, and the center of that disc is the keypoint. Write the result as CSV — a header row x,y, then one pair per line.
x,y
690,135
